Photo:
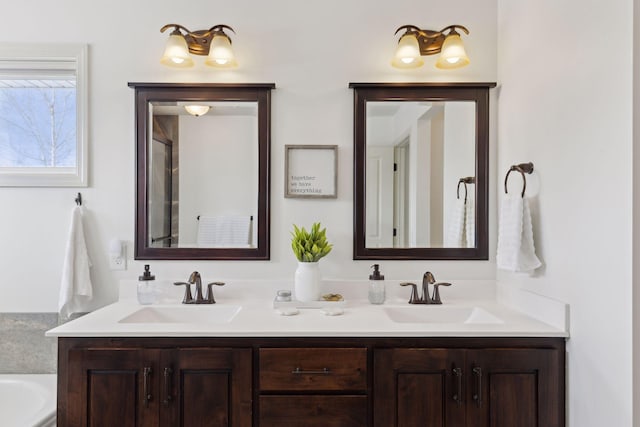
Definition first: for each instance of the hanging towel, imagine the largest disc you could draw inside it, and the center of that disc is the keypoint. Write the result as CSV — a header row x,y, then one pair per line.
x,y
224,231
470,223
456,233
76,289
516,250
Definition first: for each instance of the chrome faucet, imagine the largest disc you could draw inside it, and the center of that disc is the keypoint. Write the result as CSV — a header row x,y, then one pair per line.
x,y
427,279
196,279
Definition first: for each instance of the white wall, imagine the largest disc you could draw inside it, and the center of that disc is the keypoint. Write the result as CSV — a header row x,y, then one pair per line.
x,y
636,211
311,50
565,104
213,184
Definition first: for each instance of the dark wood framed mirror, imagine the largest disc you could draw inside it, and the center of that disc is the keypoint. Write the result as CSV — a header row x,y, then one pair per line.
x,y
421,163
202,171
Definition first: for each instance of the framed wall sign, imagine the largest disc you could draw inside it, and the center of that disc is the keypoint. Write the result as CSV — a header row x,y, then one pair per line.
x,y
311,171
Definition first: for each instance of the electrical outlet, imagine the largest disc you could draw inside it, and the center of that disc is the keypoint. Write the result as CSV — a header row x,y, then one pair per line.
x,y
118,260
117,263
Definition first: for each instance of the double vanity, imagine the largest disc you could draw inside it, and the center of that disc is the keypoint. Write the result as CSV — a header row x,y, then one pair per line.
x,y
240,362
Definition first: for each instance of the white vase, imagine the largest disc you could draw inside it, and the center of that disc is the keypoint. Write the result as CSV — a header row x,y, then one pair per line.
x,y
307,281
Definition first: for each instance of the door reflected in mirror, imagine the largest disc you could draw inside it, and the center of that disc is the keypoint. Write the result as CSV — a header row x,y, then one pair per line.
x,y
417,152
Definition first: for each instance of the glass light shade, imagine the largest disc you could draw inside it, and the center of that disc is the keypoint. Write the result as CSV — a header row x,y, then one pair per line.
x,y
407,53
176,53
220,53
452,54
197,110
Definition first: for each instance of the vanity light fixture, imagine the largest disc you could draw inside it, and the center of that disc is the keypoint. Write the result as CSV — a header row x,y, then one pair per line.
x,y
197,110
415,43
213,43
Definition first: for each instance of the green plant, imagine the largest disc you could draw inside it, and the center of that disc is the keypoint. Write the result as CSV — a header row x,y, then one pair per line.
x,y
310,246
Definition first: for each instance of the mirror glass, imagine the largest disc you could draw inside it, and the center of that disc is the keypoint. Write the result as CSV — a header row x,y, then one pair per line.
x,y
420,170
417,154
202,177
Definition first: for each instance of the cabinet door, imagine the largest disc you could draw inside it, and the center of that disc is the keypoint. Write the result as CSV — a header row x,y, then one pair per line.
x,y
515,387
206,387
418,387
113,387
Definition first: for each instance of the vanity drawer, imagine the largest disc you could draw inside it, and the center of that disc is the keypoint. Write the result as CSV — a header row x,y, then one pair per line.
x,y
313,411
314,369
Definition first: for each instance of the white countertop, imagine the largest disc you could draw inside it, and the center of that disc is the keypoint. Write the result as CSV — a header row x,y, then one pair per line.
x,y
257,318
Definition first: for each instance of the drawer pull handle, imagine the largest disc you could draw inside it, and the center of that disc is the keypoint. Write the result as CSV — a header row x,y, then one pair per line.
x,y
323,371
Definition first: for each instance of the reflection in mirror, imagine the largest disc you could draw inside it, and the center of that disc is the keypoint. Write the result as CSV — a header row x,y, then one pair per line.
x,y
203,186
416,154
421,170
221,142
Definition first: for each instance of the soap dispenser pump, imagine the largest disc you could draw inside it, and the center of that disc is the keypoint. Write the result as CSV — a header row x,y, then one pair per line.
x,y
376,286
146,290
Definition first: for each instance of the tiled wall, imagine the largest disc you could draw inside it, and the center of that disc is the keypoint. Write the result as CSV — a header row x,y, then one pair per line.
x,y
23,347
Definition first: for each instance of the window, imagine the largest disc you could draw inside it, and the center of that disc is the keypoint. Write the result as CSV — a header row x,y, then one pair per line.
x,y
43,100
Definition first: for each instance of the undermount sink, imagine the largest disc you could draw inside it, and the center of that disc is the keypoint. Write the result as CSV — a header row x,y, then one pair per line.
x,y
441,314
209,314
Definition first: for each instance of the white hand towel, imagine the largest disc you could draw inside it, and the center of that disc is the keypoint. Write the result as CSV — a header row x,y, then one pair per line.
x,y
224,231
470,222
455,233
516,250
76,289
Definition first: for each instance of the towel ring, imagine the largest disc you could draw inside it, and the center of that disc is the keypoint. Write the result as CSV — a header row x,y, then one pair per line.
x,y
465,181
522,168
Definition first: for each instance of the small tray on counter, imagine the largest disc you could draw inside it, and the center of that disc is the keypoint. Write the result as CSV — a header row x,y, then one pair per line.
x,y
308,304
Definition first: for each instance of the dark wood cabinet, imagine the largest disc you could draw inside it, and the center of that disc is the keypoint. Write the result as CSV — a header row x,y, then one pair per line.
x,y
307,381
157,387
206,387
323,387
418,387
515,387
474,388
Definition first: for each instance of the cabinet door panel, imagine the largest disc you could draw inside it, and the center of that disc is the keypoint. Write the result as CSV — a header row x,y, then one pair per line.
x,y
118,387
313,411
515,387
416,387
208,387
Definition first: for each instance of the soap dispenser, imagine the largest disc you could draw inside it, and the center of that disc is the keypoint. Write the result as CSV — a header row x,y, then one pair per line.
x,y
376,286
146,288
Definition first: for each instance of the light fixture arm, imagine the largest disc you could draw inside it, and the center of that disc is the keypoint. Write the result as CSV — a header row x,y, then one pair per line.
x,y
410,29
452,29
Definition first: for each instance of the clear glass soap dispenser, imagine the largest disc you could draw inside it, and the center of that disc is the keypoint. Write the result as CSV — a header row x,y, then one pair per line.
x,y
376,286
146,288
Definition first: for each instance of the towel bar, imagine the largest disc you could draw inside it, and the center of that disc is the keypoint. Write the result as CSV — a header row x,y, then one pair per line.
x,y
522,168
250,218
